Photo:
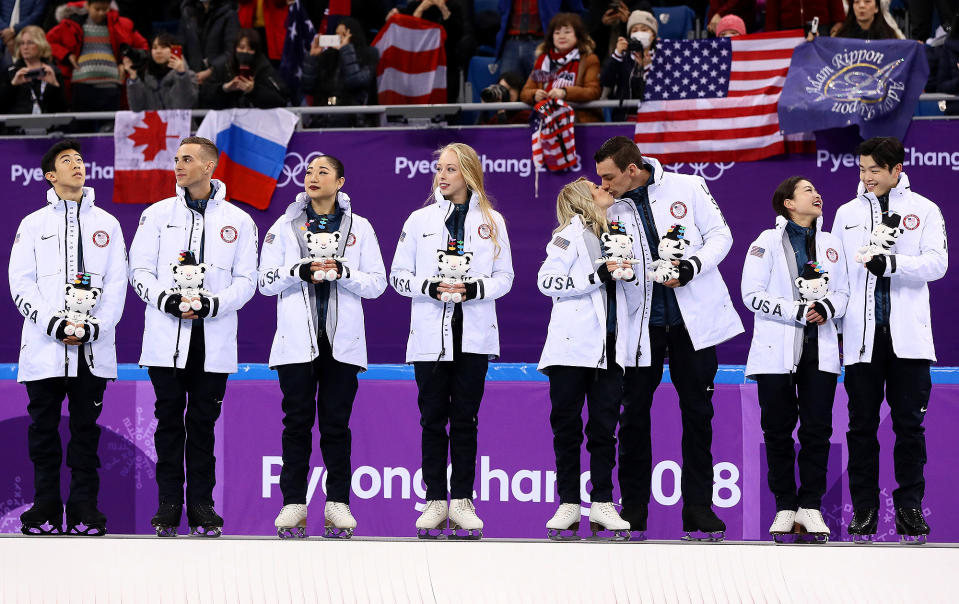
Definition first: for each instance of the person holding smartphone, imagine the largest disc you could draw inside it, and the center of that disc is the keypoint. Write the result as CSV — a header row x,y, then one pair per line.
x,y
246,80
162,80
33,83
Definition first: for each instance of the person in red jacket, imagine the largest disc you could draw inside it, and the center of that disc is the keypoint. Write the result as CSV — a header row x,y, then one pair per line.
x,y
268,16
794,14
87,44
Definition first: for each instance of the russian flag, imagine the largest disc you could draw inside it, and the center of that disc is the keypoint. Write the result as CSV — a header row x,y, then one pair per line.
x,y
252,145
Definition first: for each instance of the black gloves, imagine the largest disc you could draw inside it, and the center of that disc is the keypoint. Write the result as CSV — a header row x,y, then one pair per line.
x,y
204,307
603,272
433,290
306,273
471,290
686,272
877,265
172,305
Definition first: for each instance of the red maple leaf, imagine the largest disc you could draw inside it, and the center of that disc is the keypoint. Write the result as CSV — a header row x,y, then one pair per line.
x,y
153,136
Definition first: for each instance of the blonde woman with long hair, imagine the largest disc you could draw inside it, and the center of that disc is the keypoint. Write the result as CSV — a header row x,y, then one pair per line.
x,y
584,355
453,328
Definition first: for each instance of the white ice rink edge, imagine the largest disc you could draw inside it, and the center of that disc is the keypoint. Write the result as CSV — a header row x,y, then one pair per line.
x,y
191,570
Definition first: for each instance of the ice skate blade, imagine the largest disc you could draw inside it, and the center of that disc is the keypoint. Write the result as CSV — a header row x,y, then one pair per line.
x,y
43,530
567,534
332,532
862,539
166,531
705,537
210,532
291,532
912,539
468,534
83,530
617,536
432,533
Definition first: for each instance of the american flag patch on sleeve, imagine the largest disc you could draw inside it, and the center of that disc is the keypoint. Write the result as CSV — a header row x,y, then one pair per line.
x,y
402,235
269,238
560,242
756,251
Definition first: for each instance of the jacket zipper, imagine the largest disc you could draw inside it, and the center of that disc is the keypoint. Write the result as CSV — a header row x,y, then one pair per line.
x,y
639,342
865,298
336,289
66,271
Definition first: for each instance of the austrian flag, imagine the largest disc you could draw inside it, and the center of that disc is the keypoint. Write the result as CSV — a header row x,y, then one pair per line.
x,y
144,145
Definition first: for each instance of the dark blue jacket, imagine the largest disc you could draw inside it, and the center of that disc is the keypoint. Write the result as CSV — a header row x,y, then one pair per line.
x,y
31,11
547,10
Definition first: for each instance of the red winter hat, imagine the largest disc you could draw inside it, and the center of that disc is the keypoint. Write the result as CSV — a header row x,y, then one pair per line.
x,y
731,23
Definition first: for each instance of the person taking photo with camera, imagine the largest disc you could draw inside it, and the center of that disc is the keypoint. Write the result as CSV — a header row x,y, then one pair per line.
x,y
626,69
505,91
159,79
34,84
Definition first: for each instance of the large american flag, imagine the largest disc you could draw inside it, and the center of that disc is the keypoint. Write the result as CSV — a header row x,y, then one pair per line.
x,y
715,100
299,37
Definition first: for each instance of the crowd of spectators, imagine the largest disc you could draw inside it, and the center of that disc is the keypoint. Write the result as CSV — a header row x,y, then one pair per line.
x,y
106,55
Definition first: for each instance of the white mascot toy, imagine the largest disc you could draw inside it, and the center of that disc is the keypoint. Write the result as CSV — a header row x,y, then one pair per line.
x,y
188,276
618,245
882,239
80,300
322,245
454,263
813,284
671,247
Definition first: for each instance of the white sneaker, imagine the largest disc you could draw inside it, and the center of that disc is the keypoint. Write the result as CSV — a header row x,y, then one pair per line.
x,y
566,518
432,519
604,517
784,523
463,517
291,521
339,522
810,521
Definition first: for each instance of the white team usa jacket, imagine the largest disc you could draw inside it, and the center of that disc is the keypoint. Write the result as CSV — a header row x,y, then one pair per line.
x,y
920,255
42,261
363,276
576,336
769,292
415,261
228,238
680,199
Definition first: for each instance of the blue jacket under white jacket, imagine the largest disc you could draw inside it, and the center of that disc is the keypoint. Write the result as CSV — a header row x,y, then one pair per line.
x,y
415,262
769,291
363,276
707,309
577,324
920,255
43,259
228,238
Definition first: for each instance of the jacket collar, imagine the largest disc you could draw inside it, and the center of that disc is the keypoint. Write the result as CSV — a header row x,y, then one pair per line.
x,y
781,224
657,170
899,190
55,202
445,204
219,193
299,205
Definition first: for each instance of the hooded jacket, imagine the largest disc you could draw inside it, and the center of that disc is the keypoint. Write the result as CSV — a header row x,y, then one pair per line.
x,y
45,256
66,37
363,276
228,240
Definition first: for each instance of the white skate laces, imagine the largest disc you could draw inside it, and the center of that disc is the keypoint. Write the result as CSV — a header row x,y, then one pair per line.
x,y
784,523
604,517
463,518
432,521
291,521
811,521
339,522
564,525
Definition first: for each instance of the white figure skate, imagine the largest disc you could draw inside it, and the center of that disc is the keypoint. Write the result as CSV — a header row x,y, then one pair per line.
x,y
565,520
810,522
784,524
463,518
604,517
339,522
432,522
291,521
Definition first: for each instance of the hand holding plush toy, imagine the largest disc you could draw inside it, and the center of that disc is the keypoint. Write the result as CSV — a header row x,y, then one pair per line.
x,y
813,286
81,298
322,243
671,247
453,263
618,245
188,276
882,238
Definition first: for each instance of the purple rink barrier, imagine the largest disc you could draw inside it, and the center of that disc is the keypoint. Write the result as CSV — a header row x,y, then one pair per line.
x,y
388,175
515,486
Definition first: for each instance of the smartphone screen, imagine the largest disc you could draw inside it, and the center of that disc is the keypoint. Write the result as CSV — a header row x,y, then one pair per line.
x,y
177,50
329,41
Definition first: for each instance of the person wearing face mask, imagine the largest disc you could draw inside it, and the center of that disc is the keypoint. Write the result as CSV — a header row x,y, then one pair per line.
x,y
34,84
794,354
626,69
320,342
453,328
246,80
566,67
887,332
584,354
166,82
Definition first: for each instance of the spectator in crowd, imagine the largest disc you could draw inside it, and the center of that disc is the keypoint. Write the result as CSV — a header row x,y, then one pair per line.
x,y
794,14
505,91
208,29
608,22
370,13
626,69
87,43
268,18
453,15
30,13
566,67
246,80
162,80
522,23
341,75
867,20
920,16
34,84
744,9
947,76
730,26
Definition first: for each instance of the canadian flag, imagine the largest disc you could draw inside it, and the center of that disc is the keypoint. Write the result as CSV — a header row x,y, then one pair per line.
x,y
144,144
412,67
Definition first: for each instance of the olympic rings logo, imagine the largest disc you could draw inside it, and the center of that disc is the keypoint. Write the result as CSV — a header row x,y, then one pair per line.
x,y
702,169
294,168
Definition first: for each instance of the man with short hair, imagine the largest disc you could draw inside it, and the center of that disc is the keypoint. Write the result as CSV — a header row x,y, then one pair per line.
x,y
69,246
191,353
688,315
887,331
